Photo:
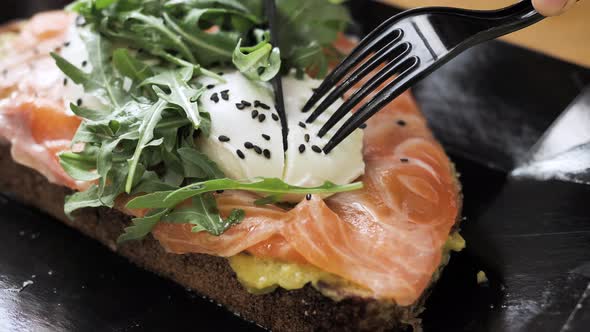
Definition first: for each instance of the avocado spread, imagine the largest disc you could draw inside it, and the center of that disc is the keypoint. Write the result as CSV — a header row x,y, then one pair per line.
x,y
263,275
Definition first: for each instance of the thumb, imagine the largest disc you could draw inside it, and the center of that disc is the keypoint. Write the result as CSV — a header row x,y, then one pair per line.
x,y
552,7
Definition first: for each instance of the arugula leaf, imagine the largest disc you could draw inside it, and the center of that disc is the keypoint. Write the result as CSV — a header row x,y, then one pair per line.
x,y
78,200
178,92
90,114
232,4
156,25
198,165
102,82
101,4
146,134
270,199
260,62
142,226
166,199
130,66
92,197
311,25
175,173
204,215
150,182
78,166
208,47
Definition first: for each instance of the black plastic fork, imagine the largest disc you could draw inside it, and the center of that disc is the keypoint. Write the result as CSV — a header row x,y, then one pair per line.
x,y
409,46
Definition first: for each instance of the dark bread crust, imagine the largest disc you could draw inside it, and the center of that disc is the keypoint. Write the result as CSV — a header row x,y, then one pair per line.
x,y
299,310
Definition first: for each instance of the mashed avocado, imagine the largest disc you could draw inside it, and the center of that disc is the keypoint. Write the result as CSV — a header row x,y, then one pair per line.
x,y
455,242
263,275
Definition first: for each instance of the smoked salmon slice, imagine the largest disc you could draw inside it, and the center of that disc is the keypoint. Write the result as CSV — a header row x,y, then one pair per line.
x,y
387,238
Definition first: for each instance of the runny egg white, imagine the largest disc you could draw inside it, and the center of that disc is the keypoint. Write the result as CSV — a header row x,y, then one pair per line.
x,y
246,137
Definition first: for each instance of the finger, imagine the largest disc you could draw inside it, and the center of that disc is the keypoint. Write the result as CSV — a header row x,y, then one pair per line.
x,y
552,7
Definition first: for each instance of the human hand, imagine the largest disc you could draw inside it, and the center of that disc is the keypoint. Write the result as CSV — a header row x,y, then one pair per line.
x,y
552,7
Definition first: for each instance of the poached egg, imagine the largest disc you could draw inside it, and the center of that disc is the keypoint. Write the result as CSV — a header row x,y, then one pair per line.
x,y
246,139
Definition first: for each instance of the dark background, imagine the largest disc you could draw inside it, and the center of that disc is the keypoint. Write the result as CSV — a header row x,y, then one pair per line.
x,y
488,107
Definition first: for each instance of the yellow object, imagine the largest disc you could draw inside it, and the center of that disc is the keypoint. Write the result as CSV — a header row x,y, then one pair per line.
x,y
566,36
455,242
481,277
263,275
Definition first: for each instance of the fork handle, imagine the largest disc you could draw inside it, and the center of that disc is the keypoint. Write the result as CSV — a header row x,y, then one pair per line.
x,y
509,19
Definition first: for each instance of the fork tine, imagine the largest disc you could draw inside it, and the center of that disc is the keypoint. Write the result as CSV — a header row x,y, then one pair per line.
x,y
388,52
368,45
383,97
374,83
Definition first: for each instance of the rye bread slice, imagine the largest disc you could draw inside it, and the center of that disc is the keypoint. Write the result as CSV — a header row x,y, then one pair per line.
x,y
299,310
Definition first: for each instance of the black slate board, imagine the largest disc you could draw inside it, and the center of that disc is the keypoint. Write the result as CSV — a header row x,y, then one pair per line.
x,y
488,107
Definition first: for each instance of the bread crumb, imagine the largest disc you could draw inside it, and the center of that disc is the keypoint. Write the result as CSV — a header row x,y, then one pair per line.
x,y
481,277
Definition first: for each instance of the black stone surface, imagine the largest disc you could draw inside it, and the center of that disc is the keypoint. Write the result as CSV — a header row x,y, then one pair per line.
x,y
489,107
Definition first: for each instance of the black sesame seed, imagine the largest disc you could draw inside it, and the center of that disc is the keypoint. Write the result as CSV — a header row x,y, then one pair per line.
x,y
404,160
254,114
257,149
302,125
308,197
65,81
266,137
266,153
79,102
306,138
248,145
220,73
210,86
301,148
401,123
223,138
215,97
67,44
245,103
240,106
316,148
261,118
84,63
256,103
224,96
363,126
240,154
220,191
275,117
264,106
225,91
